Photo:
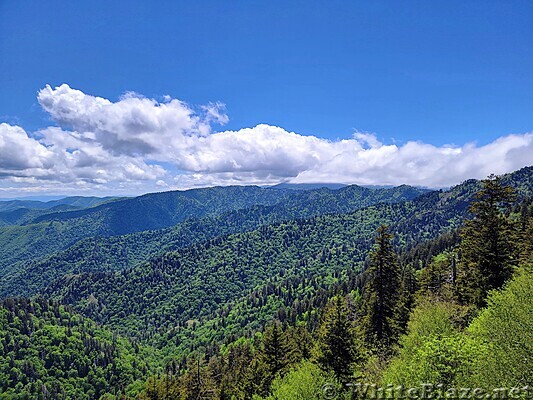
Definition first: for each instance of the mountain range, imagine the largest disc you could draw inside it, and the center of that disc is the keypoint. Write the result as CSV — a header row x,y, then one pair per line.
x,y
130,284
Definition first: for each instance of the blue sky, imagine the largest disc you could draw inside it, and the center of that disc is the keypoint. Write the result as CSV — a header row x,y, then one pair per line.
x,y
437,72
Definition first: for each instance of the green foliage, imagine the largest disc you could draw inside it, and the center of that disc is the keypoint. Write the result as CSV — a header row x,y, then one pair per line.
x,y
246,370
494,351
275,351
433,350
504,330
488,247
304,382
406,299
378,324
336,342
438,278
525,231
45,348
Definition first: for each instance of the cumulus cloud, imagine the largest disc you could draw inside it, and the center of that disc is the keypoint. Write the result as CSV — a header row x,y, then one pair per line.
x,y
133,126
423,164
140,144
20,152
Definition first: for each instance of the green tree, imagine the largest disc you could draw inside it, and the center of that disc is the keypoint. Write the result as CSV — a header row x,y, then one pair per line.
x,y
304,382
300,343
525,231
271,361
505,331
408,288
438,278
433,350
336,342
378,325
488,250
275,350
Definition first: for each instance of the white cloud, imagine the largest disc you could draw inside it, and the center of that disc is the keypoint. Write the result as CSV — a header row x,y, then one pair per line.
x,y
418,163
19,152
216,112
133,126
140,144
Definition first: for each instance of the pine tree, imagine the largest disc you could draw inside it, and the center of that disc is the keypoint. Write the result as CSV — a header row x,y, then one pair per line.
x,y
151,389
336,343
300,344
275,349
408,288
256,381
525,232
438,278
378,324
488,249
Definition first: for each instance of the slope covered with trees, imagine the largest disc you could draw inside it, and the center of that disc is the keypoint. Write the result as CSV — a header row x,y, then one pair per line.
x,y
393,294
72,201
119,252
22,212
56,231
450,340
48,352
193,285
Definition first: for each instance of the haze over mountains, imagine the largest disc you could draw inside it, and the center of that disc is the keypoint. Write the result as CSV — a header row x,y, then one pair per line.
x,y
243,200
78,234
182,274
218,206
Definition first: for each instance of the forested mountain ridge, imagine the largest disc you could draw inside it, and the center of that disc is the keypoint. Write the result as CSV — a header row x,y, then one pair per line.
x,y
57,231
22,215
164,209
119,252
73,201
23,212
161,210
308,186
281,310
195,283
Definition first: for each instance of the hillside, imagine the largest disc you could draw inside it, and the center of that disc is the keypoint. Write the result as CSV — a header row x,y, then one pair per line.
x,y
22,212
23,215
73,201
119,252
193,282
59,230
47,350
197,282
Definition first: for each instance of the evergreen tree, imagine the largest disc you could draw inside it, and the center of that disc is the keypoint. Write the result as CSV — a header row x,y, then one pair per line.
x,y
300,343
275,349
438,278
336,343
256,381
408,288
378,326
488,249
196,384
525,232
271,361
151,389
